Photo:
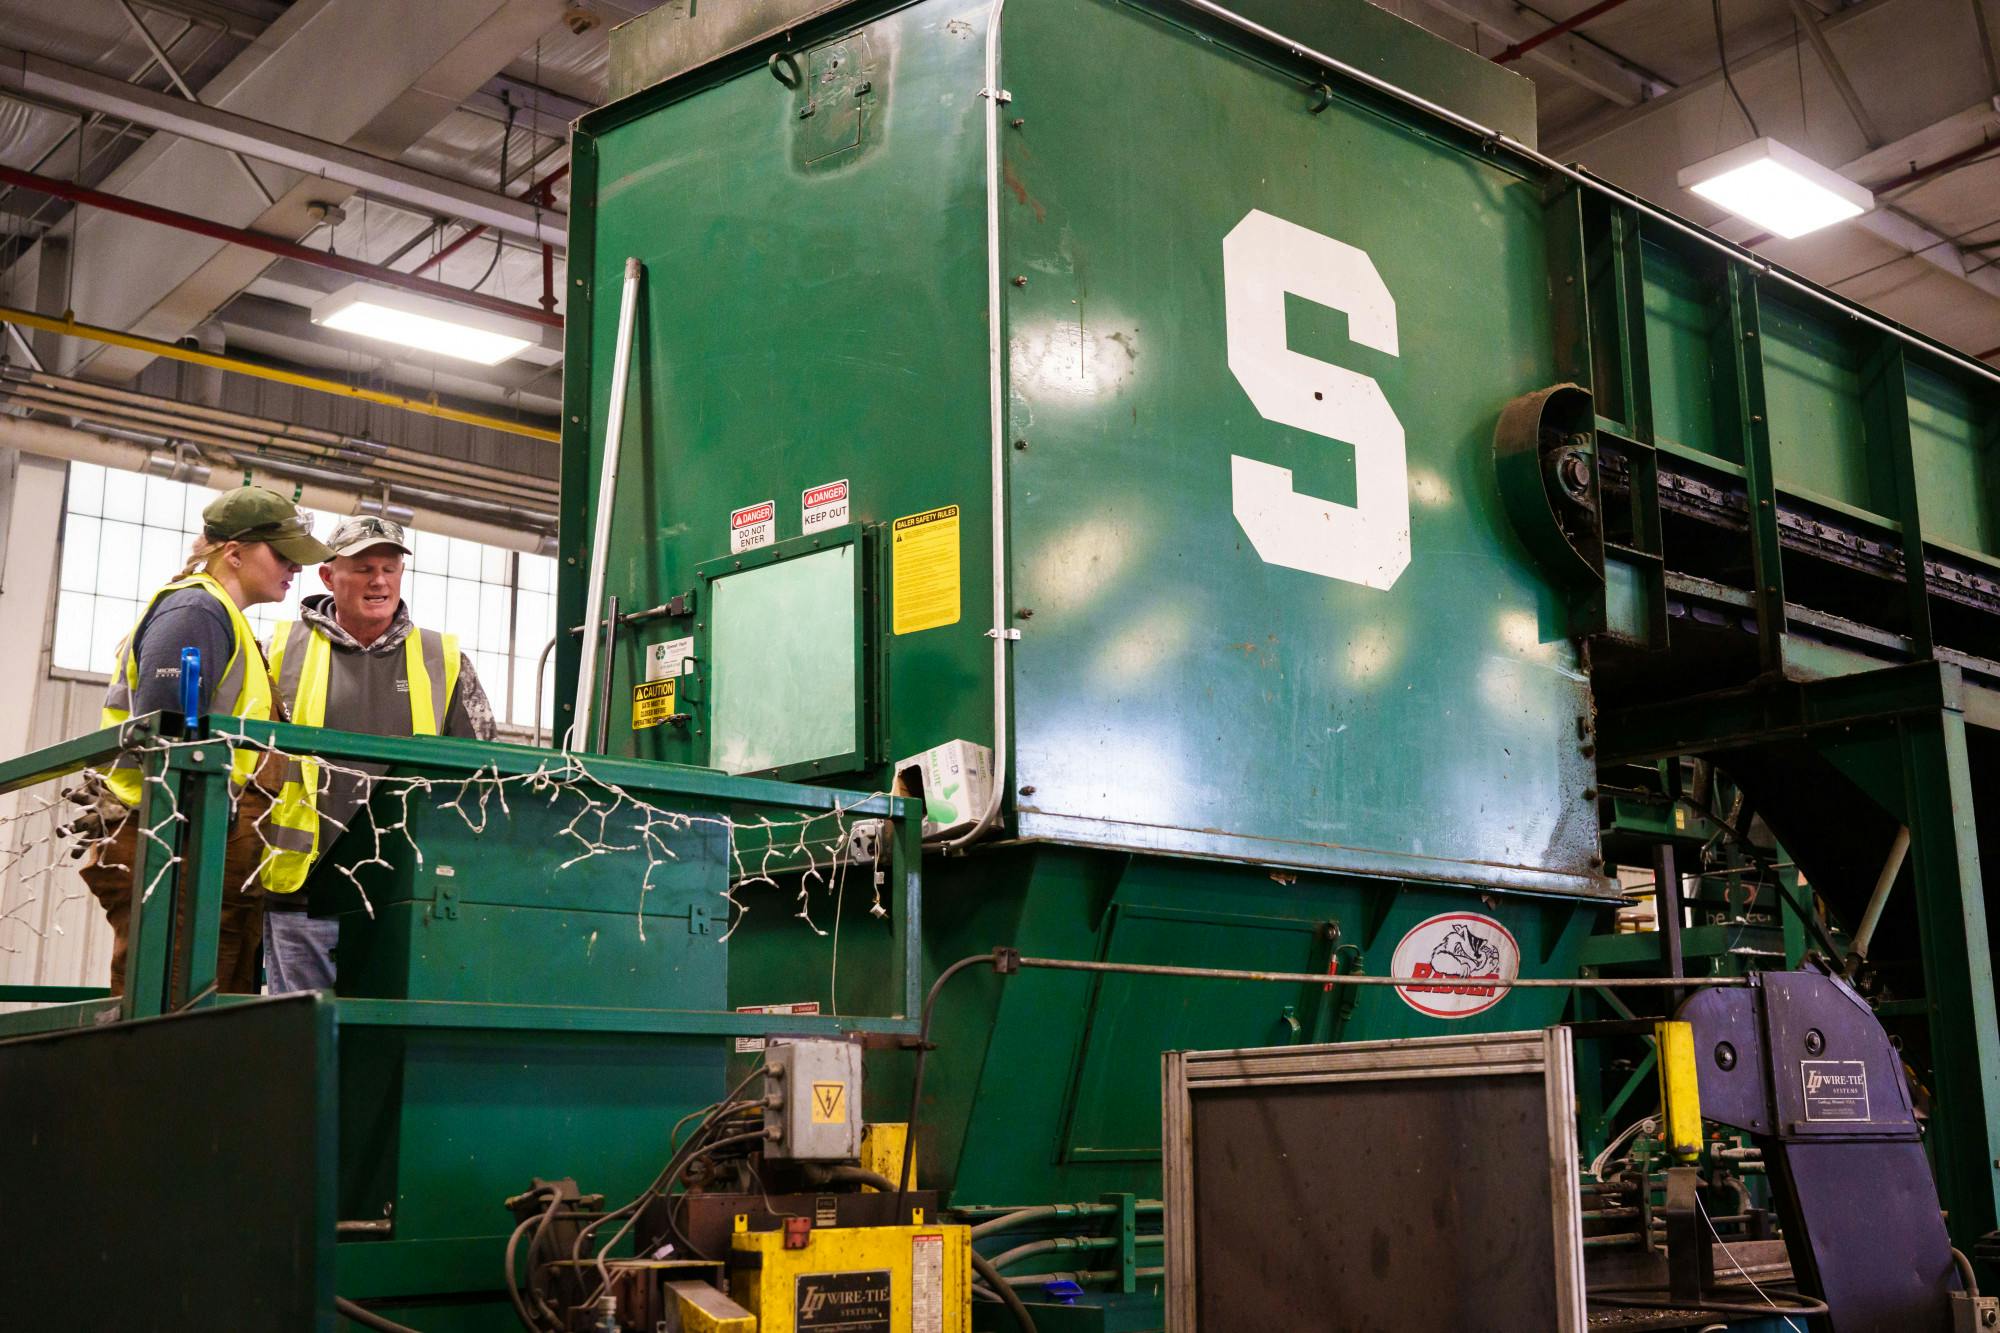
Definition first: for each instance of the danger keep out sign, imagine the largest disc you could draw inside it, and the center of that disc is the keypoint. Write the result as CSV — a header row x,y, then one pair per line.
x,y
823,506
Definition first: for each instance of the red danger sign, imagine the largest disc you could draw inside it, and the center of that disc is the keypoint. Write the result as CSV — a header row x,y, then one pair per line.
x,y
823,506
753,526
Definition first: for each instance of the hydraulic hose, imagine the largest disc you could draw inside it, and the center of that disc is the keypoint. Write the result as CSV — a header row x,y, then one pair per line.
x,y
917,1076
1008,1296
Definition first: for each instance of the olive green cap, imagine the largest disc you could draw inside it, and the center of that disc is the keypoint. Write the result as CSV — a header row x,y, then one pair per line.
x,y
253,514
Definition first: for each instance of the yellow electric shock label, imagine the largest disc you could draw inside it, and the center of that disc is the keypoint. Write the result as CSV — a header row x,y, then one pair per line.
x,y
652,703
829,1104
923,566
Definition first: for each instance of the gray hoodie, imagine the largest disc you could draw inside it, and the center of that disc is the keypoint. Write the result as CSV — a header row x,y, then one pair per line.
x,y
368,691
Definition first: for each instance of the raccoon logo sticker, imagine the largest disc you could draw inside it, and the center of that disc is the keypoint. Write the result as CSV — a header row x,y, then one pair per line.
x,y
1459,963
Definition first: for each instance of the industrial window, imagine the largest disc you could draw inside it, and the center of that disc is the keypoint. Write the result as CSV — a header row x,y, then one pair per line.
x,y
125,534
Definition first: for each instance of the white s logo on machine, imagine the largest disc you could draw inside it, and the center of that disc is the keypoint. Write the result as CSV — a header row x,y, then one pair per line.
x,y
1264,259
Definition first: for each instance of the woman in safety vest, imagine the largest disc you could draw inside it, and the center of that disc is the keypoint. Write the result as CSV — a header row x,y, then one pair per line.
x,y
253,543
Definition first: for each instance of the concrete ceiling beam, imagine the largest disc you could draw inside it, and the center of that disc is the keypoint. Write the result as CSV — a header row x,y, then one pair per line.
x,y
40,77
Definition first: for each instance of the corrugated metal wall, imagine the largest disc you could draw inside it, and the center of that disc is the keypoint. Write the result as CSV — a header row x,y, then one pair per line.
x,y
51,931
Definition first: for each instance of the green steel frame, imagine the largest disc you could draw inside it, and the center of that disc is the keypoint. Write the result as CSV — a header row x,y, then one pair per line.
x,y
197,775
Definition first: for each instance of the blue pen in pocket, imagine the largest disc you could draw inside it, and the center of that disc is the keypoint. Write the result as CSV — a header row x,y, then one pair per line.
x,y
190,686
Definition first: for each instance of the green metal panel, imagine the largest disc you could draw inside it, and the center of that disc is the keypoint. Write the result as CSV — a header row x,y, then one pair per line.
x,y
1430,726
1812,384
1679,293
1950,441
1046,1085
783,344
175,1173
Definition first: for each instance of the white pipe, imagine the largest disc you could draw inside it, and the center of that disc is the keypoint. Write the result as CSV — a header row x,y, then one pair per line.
x,y
996,391
607,481
1879,899
48,440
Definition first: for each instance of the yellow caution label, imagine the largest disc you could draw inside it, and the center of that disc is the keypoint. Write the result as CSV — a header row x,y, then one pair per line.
x,y
923,566
829,1105
652,702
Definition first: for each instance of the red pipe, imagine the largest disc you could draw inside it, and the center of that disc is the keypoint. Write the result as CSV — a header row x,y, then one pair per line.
x,y
1527,44
545,187
252,240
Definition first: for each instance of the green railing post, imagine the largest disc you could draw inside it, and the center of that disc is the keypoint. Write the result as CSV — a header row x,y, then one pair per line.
x,y
149,931
205,801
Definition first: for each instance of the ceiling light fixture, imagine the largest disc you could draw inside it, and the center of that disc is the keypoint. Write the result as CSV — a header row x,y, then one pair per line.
x,y
1781,190
426,323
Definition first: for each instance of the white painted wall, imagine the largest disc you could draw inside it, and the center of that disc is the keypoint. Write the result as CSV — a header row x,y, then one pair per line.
x,y
51,932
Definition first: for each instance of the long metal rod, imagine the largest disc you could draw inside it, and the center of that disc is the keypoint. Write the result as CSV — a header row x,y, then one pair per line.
x,y
579,733
1892,866
180,84
1495,139
272,245
1809,20
38,76
71,328
610,665
996,396
1342,979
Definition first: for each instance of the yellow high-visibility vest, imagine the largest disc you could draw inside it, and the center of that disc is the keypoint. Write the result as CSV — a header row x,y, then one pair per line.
x,y
302,665
291,830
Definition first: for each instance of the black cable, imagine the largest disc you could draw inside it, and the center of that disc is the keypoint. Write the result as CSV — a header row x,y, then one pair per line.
x,y
368,1318
506,141
1001,1288
664,1181
521,1310
917,1076
1722,53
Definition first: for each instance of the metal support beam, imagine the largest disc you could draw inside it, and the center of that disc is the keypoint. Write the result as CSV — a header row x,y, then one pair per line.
x,y
168,217
1576,59
180,84
37,76
1809,20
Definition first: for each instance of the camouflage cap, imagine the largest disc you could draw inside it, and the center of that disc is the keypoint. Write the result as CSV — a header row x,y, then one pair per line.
x,y
363,532
253,514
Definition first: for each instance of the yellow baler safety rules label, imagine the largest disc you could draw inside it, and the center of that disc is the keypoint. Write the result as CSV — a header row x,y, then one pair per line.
x,y
652,703
923,565
829,1104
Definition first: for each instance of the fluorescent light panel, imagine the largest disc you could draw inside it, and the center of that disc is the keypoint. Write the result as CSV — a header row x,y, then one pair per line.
x,y
1783,191
425,322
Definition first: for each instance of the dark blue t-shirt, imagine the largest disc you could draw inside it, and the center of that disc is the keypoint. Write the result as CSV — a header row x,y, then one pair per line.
x,y
184,618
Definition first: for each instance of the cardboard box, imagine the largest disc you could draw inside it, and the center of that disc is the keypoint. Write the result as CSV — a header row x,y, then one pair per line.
x,y
955,780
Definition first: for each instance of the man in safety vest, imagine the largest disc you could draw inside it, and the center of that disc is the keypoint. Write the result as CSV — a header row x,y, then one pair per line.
x,y
355,661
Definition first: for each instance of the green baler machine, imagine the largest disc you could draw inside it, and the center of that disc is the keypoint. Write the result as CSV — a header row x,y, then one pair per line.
x,y
1279,686
1338,541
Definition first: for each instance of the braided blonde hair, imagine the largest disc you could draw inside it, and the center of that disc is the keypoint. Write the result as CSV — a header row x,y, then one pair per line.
x,y
202,555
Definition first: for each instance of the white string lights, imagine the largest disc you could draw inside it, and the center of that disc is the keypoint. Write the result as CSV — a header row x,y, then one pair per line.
x,y
608,821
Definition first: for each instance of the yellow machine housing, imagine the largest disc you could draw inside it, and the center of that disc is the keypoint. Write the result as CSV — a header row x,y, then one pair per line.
x,y
913,1279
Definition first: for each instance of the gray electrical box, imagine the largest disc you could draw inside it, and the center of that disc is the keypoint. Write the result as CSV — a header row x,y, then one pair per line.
x,y
812,1100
